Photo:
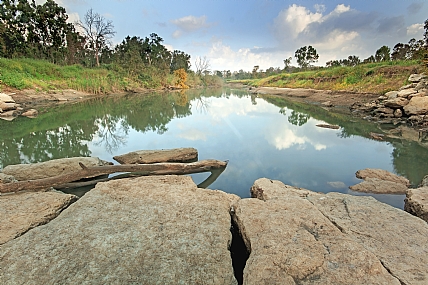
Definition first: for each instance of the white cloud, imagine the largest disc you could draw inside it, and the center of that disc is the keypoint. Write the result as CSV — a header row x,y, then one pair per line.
x,y
189,24
415,29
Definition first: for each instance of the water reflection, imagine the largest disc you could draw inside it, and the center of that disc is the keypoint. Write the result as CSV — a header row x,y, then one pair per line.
x,y
261,137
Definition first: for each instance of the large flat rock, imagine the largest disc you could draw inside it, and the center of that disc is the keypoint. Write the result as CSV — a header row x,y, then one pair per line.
x,y
155,156
382,175
378,186
329,238
147,230
292,242
51,168
23,211
416,202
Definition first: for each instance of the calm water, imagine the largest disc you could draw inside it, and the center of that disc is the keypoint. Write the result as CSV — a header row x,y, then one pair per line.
x,y
260,136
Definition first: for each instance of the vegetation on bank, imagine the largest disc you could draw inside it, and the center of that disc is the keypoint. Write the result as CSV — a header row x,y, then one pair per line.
x,y
41,75
378,77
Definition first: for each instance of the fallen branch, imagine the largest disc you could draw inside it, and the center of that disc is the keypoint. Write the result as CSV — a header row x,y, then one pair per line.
x,y
334,127
144,169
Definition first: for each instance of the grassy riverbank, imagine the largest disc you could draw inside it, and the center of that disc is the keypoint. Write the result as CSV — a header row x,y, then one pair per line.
x,y
378,77
41,75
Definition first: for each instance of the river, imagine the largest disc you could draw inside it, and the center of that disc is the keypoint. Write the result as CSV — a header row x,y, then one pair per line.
x,y
260,137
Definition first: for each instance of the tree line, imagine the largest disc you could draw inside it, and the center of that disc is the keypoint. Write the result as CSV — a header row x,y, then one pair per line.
x,y
41,31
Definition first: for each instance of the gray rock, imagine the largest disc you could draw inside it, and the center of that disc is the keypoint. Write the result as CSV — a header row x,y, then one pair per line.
x,y
51,168
378,186
406,87
382,97
391,94
155,156
7,106
147,230
423,84
396,103
23,211
424,181
384,110
382,175
292,242
416,202
6,98
416,77
417,106
4,178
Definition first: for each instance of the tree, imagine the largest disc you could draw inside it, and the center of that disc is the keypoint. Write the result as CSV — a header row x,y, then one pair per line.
x,y
202,65
305,56
98,32
426,32
180,60
401,52
370,59
287,63
254,72
383,54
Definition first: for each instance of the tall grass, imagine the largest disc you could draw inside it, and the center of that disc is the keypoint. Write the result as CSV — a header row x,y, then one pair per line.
x,y
373,77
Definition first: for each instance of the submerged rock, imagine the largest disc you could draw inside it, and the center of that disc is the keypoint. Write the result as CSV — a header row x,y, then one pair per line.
x,y
147,230
416,202
296,236
51,168
23,211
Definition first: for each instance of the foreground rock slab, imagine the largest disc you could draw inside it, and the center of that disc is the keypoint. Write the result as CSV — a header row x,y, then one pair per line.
x,y
21,212
381,174
297,236
155,156
416,202
378,186
51,168
147,230
292,242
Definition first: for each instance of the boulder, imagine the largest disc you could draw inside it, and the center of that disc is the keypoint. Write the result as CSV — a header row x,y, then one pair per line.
x,y
391,94
398,113
23,211
32,113
406,92
396,103
408,86
381,174
51,168
6,98
297,236
4,178
424,181
416,202
7,106
379,186
147,230
416,77
155,156
292,242
417,106
384,110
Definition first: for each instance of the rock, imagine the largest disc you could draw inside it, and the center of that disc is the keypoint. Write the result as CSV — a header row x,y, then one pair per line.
x,y
147,230
23,211
406,92
424,181
382,97
7,106
382,175
408,86
378,186
4,178
417,106
399,240
6,98
51,168
376,136
384,110
292,242
396,103
416,77
416,202
398,113
327,104
391,94
32,113
423,84
155,156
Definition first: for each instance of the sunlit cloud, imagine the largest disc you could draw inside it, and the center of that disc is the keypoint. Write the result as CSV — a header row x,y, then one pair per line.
x,y
415,29
189,24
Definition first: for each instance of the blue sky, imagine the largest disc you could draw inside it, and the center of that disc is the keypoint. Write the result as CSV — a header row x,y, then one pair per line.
x,y
238,34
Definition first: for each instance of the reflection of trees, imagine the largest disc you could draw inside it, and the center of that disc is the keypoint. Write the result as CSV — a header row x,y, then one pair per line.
x,y
298,119
111,132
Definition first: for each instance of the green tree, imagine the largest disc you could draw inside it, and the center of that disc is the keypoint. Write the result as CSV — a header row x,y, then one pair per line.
x,y
383,54
401,52
287,63
179,60
305,56
98,32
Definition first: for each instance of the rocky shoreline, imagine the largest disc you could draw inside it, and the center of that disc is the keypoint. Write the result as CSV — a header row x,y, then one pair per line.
x,y
166,230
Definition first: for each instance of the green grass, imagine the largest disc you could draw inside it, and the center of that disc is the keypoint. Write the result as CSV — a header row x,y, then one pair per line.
x,y
373,77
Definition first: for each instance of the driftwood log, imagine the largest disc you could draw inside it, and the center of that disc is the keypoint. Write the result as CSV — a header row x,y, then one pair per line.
x,y
334,127
144,169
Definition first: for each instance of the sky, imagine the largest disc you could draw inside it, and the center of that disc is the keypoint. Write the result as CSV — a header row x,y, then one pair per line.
x,y
239,34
